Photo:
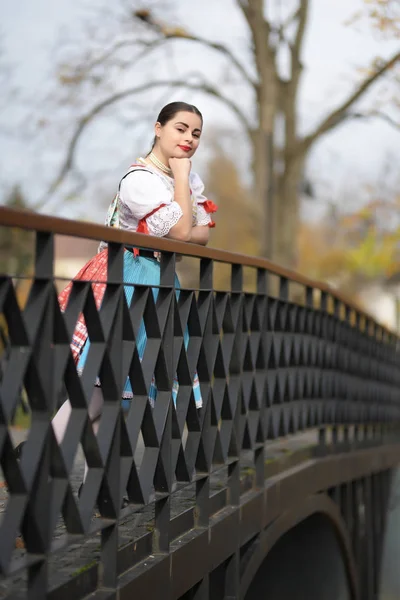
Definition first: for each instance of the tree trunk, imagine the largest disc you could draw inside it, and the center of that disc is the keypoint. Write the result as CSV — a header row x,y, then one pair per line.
x,y
262,138
263,187
287,205
288,174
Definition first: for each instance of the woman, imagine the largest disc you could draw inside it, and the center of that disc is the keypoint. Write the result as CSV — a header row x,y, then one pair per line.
x,y
161,196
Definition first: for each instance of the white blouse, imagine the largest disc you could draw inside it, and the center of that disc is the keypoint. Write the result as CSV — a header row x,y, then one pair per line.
x,y
147,194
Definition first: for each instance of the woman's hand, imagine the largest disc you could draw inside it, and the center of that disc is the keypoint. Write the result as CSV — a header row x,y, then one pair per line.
x,y
180,167
181,170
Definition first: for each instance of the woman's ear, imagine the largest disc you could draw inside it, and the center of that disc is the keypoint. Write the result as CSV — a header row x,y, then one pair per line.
x,y
157,129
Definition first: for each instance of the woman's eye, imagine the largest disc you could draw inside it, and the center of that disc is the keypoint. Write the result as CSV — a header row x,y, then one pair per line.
x,y
181,130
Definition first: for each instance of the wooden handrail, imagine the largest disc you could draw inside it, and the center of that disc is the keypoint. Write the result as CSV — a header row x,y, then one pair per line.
x,y
23,219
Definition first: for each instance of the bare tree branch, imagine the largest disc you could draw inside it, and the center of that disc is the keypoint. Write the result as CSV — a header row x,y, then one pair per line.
x,y
291,18
243,4
260,27
339,114
281,30
253,12
108,53
154,44
219,48
375,114
296,46
244,7
302,17
86,119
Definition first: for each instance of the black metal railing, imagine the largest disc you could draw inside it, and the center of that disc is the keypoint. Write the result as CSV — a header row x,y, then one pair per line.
x,y
268,367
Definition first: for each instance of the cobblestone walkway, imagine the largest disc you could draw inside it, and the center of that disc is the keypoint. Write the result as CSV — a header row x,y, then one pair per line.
x,y
81,556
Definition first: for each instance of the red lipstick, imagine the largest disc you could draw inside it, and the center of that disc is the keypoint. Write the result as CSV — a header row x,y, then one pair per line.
x,y
185,148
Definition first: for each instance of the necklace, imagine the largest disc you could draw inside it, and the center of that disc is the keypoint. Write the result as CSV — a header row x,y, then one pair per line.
x,y
157,163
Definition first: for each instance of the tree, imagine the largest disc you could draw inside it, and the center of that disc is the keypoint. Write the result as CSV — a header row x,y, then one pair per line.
x,y
278,166
354,250
16,246
383,14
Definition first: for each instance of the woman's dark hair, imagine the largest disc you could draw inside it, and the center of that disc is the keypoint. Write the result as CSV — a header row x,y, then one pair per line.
x,y
170,110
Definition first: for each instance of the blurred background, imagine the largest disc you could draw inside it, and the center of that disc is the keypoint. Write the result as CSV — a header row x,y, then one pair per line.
x,y
301,106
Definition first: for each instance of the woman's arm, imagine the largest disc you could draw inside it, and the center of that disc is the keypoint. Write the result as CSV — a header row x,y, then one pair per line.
x,y
181,169
200,235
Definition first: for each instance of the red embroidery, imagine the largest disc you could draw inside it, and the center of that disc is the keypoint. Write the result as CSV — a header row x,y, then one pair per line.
x,y
209,206
143,227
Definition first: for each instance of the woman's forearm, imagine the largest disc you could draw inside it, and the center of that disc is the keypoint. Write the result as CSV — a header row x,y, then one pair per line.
x,y
200,234
182,230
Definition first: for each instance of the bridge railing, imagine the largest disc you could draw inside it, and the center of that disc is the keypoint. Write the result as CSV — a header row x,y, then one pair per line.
x,y
269,367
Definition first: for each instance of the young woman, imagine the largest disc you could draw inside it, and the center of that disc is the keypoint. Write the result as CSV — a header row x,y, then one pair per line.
x,y
160,196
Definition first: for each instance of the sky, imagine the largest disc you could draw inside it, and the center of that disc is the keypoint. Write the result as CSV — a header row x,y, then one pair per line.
x,y
333,52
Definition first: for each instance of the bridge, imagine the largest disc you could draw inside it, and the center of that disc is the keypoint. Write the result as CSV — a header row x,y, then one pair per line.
x,y
278,487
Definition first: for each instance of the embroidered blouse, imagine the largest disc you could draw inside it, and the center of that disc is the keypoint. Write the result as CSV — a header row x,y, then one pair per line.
x,y
145,202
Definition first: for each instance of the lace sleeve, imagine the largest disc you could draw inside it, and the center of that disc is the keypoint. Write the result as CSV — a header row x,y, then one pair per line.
x,y
160,222
203,217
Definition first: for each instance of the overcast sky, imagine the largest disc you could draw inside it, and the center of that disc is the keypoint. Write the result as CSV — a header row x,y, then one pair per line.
x,y
332,54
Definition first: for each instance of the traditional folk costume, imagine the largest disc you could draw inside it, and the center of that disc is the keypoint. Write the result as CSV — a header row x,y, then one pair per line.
x,y
144,203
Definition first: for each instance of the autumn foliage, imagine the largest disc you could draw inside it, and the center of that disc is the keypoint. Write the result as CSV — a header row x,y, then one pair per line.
x,y
349,250
355,249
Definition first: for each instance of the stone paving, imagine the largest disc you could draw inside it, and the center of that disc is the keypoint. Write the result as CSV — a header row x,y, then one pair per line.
x,y
80,556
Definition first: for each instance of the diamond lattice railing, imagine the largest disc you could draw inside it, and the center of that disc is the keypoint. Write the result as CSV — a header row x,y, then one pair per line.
x,y
268,367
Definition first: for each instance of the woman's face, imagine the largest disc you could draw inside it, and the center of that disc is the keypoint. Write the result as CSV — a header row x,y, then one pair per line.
x,y
179,137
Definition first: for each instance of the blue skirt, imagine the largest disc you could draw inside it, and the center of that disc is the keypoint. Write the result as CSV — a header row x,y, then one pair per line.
x,y
144,271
